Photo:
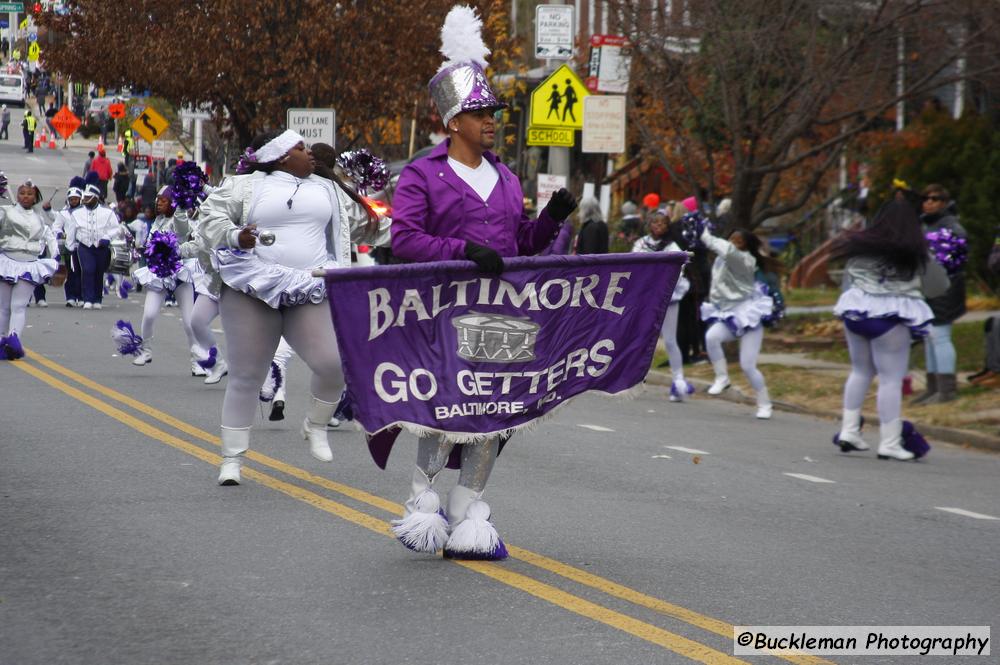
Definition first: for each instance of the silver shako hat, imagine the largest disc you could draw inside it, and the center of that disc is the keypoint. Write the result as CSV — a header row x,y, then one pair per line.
x,y
460,84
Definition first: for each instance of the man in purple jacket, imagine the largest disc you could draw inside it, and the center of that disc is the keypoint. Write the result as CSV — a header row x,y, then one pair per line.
x,y
462,202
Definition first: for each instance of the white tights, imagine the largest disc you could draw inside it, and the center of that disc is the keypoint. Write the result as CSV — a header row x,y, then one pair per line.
x,y
750,343
888,355
13,305
202,314
669,335
253,330
154,301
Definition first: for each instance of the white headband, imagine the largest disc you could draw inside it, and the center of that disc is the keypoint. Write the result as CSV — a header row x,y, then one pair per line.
x,y
278,147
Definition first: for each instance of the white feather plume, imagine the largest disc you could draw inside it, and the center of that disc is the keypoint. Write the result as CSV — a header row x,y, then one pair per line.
x,y
462,38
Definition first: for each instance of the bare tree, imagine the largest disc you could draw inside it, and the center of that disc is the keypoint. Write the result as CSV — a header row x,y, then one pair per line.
x,y
757,99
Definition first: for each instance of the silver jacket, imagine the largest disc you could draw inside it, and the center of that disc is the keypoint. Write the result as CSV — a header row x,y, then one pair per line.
x,y
732,273
227,208
25,233
877,278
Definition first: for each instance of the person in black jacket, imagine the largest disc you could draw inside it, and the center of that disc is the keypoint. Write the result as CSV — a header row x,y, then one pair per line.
x,y
593,236
938,213
121,183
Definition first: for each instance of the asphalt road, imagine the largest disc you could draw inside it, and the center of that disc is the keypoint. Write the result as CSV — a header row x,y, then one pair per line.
x,y
641,531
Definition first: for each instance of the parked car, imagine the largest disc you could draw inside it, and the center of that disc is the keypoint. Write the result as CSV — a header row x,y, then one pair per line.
x,y
12,89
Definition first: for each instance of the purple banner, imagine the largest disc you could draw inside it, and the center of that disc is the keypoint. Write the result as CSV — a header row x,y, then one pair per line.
x,y
439,347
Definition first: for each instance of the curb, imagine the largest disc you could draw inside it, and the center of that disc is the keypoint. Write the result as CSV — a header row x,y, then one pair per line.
x,y
958,437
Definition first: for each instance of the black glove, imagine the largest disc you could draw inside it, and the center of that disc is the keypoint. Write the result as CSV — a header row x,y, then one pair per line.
x,y
561,205
487,259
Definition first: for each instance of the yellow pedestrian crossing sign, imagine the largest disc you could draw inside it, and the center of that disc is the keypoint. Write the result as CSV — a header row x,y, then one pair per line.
x,y
34,50
150,124
558,100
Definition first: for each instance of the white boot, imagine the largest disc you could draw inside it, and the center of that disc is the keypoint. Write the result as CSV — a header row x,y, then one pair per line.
x,y
235,442
219,370
196,369
678,390
849,437
422,527
721,377
764,407
891,441
473,536
145,355
314,429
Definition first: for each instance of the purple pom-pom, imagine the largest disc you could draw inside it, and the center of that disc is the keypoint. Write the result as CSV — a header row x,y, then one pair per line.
x,y
189,181
950,250
247,160
10,347
209,362
124,289
693,225
126,339
914,441
369,173
163,257
498,554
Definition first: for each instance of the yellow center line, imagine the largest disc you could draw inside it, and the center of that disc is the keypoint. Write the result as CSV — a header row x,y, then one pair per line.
x,y
566,571
648,632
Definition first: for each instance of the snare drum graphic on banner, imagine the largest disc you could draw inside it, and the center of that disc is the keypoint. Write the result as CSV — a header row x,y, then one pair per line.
x,y
495,338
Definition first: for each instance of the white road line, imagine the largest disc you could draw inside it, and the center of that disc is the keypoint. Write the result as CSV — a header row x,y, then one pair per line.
x,y
693,451
596,428
967,513
217,330
812,479
662,457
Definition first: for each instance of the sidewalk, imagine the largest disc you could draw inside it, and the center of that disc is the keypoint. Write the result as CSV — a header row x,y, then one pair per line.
x,y
816,387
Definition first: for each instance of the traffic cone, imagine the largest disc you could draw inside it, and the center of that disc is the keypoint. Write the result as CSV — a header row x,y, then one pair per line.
x,y
52,142
121,145
38,141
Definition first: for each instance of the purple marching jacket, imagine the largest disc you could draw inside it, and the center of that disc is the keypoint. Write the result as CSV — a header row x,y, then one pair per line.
x,y
434,212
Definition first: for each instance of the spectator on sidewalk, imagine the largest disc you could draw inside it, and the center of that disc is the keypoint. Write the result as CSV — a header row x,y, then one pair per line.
x,y
50,113
102,165
122,182
939,351
4,123
88,165
989,376
593,236
887,276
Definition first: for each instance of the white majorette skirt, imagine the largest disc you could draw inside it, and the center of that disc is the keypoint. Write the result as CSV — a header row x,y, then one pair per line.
x,y
858,305
680,290
741,317
271,283
203,282
37,272
149,280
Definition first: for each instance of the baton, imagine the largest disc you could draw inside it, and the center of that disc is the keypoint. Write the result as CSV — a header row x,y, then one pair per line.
x,y
265,238
53,195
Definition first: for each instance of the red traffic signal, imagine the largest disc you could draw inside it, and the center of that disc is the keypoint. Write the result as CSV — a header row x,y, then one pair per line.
x,y
36,8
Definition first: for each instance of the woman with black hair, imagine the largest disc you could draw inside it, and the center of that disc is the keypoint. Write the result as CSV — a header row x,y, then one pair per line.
x,y
887,276
266,292
663,238
25,238
737,309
